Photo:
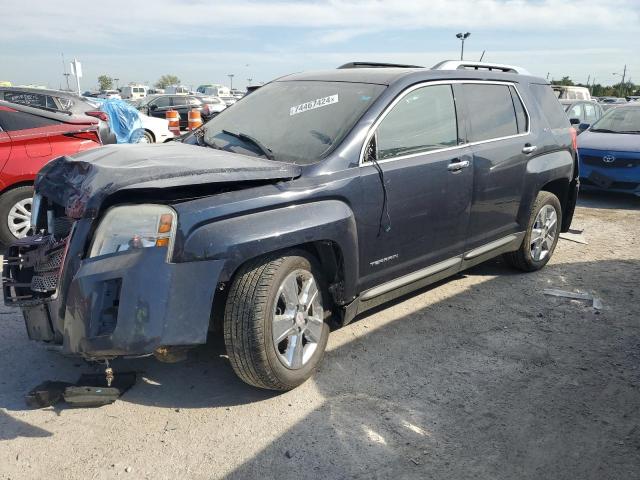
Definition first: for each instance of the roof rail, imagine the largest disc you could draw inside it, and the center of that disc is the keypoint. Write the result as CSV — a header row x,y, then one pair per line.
x,y
376,65
464,65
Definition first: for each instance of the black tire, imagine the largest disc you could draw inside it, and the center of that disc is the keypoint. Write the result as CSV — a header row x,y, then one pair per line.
x,y
149,137
248,321
7,202
522,258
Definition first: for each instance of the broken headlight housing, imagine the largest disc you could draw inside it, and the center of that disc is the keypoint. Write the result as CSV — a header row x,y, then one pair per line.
x,y
134,226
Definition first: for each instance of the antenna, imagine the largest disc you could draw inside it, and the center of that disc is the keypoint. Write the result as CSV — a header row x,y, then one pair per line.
x,y
482,56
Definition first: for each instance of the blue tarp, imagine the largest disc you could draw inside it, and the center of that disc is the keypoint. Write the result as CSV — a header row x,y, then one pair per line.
x,y
124,119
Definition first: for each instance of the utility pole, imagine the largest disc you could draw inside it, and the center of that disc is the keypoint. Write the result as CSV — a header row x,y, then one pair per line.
x,y
230,75
116,80
462,37
64,72
624,74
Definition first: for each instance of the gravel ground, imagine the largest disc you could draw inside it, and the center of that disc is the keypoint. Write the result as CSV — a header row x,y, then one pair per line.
x,y
481,376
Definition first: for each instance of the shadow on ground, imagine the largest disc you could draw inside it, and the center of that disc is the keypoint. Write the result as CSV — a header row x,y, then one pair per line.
x,y
608,200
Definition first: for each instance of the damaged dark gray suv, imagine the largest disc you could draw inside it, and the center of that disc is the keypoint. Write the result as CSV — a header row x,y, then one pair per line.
x,y
316,197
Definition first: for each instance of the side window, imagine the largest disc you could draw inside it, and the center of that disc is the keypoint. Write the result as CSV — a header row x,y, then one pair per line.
x,y
575,111
423,120
491,111
161,102
521,114
590,114
11,121
179,101
65,103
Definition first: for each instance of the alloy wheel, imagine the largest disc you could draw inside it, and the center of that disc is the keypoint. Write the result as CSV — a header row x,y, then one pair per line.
x,y
297,319
19,218
543,233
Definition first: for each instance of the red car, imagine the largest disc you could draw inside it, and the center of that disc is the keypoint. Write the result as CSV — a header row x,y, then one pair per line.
x,y
29,138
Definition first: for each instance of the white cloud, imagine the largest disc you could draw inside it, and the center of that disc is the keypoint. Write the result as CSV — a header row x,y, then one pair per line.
x,y
342,19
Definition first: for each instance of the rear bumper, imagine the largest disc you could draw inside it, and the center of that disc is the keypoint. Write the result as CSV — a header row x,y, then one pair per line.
x,y
128,304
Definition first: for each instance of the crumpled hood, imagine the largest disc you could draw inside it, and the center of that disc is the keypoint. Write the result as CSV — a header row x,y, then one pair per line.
x,y
617,142
82,182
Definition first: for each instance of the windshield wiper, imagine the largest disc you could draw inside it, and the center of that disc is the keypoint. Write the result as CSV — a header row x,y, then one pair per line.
x,y
249,139
630,131
603,130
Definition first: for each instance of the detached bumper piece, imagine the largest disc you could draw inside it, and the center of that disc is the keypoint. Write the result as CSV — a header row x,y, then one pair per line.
x,y
90,390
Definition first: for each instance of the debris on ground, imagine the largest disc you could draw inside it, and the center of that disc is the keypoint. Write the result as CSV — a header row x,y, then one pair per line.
x,y
595,301
574,235
90,390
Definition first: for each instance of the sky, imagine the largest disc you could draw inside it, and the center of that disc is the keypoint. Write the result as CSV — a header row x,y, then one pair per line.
x,y
204,41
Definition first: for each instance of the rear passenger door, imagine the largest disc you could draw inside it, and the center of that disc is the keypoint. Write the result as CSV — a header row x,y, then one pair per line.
x,y
499,135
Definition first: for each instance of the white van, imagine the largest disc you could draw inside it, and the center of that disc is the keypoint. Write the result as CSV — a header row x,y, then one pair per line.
x,y
134,92
564,92
214,90
177,90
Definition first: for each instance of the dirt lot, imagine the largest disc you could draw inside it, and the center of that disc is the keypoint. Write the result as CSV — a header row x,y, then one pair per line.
x,y
481,376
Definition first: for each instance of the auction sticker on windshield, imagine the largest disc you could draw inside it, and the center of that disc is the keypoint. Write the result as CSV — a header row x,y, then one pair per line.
x,y
313,104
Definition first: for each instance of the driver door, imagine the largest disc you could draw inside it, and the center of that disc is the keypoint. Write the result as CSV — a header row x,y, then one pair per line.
x,y
416,152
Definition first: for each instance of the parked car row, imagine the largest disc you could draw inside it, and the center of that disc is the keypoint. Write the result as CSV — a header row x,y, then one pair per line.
x,y
158,105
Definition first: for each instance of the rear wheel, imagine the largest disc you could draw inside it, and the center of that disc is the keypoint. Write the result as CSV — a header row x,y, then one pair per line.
x,y
542,234
274,324
147,137
15,214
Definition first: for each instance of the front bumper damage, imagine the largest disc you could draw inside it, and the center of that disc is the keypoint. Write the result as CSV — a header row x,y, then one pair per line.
x,y
124,304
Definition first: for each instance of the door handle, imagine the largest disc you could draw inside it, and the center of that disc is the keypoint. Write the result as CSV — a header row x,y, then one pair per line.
x,y
457,166
529,149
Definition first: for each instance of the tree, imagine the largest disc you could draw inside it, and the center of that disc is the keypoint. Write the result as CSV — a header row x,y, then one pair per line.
x,y
166,80
105,82
564,81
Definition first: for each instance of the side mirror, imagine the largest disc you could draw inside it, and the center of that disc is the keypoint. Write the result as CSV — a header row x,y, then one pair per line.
x,y
583,126
574,121
153,107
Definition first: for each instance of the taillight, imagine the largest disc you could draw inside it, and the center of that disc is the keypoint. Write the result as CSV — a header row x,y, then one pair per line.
x,y
85,135
574,138
98,114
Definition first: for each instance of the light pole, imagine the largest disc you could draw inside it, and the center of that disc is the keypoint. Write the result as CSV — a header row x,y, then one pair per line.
x,y
462,37
624,74
230,75
116,80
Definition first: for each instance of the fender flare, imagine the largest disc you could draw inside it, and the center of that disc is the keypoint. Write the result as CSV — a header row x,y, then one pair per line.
x,y
250,235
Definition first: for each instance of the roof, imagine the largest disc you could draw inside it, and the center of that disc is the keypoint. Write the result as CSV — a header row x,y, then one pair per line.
x,y
387,76
43,91
66,117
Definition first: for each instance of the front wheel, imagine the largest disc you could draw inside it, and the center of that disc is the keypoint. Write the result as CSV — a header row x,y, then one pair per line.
x,y
542,234
274,324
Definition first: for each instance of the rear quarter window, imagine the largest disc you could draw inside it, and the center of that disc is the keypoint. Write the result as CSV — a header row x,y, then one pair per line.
x,y
550,106
491,111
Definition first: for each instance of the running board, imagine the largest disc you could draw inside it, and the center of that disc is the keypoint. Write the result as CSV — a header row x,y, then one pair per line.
x,y
410,278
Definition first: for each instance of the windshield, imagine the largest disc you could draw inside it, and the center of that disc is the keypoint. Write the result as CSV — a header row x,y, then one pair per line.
x,y
619,120
297,121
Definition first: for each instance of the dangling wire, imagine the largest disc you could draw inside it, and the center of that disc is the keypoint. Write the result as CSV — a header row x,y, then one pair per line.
x,y
384,212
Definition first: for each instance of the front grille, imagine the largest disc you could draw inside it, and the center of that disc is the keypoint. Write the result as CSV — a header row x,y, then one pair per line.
x,y
631,186
597,161
32,268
